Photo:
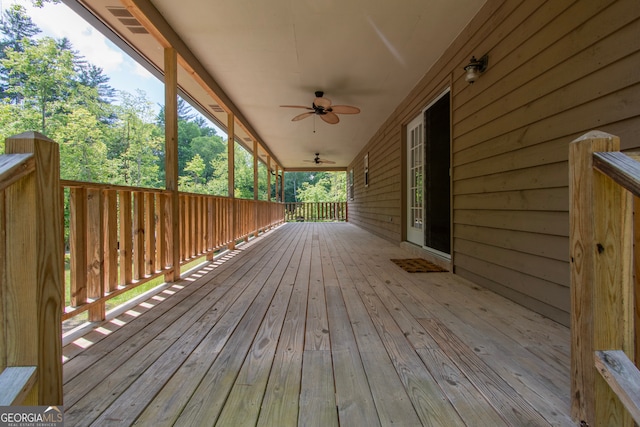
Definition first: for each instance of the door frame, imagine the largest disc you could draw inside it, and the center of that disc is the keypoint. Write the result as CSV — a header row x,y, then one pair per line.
x,y
406,198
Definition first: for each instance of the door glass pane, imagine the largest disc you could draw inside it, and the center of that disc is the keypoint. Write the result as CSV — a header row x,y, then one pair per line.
x,y
416,171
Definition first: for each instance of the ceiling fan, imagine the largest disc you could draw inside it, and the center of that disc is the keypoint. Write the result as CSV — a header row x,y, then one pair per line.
x,y
322,107
318,161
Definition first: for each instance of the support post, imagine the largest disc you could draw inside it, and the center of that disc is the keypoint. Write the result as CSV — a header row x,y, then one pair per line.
x,y
601,259
171,159
277,194
282,187
256,225
268,178
231,177
49,261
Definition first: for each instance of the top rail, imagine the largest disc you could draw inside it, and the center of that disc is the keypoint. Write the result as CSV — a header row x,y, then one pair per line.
x,y
96,185
13,167
620,167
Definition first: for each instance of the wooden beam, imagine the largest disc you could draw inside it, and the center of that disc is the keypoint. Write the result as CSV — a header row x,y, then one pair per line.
x,y
282,187
256,182
231,177
171,159
268,178
276,194
255,170
231,154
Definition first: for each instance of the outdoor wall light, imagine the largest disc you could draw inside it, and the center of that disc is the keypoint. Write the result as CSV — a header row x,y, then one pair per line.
x,y
475,68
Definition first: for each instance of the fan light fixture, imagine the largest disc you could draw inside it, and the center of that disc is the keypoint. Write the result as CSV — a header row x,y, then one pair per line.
x,y
475,68
322,107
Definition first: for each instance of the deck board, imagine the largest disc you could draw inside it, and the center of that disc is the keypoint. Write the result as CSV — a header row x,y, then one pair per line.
x,y
311,324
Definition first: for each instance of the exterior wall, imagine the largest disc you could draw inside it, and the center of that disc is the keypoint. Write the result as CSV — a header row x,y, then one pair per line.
x,y
557,69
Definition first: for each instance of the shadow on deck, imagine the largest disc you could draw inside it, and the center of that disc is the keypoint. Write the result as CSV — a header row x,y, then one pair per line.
x,y
311,324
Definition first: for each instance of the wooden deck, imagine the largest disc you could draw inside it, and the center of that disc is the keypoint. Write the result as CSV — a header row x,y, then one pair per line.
x,y
313,325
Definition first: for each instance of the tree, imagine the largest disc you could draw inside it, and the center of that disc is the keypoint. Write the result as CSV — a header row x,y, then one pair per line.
x,y
83,153
46,65
17,29
16,26
218,184
136,142
330,187
193,181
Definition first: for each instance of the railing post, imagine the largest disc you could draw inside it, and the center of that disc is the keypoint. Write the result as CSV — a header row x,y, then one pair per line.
x,y
47,266
600,250
171,160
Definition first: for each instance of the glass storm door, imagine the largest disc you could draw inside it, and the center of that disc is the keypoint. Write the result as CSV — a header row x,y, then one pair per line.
x,y
415,177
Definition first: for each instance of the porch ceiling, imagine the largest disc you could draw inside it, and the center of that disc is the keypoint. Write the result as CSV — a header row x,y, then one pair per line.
x,y
263,54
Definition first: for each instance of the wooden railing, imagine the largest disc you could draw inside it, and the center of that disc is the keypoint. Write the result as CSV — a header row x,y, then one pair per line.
x,y
120,237
316,211
604,299
31,262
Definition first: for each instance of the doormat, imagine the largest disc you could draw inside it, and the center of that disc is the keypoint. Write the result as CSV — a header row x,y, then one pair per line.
x,y
418,265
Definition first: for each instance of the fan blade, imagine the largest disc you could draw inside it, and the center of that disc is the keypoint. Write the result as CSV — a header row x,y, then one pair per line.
x,y
330,118
302,116
322,102
329,162
297,106
345,109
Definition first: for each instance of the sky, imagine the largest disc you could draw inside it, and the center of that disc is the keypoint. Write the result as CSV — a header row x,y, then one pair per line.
x,y
58,21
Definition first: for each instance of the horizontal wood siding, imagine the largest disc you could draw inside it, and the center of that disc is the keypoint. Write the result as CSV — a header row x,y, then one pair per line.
x,y
377,207
557,69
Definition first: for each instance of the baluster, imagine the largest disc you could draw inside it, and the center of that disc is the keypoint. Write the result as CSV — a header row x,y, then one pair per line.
x,y
126,239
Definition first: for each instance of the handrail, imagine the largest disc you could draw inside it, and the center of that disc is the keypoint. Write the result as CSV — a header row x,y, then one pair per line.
x,y
15,166
120,237
602,181
67,183
623,377
16,383
620,167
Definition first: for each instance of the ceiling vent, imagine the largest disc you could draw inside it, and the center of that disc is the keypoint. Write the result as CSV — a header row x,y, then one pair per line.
x,y
120,12
216,108
128,20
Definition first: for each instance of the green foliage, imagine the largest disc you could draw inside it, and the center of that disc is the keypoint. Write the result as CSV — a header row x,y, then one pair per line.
x,y
45,66
135,142
329,187
117,137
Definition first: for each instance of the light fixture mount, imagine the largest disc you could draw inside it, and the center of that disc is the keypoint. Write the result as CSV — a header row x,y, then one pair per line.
x,y
475,67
